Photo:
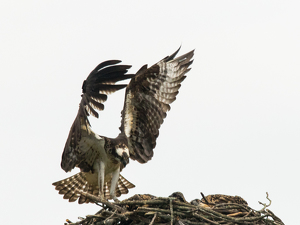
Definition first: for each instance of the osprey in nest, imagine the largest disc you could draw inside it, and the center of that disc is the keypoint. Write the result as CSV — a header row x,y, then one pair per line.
x,y
101,159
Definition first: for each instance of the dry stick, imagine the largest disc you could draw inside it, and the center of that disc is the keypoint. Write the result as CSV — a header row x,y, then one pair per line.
x,y
158,201
248,213
184,208
143,202
264,204
134,215
183,205
152,221
275,218
203,196
163,216
171,209
210,211
88,219
115,214
93,217
121,215
158,210
231,206
104,202
180,223
186,221
79,222
83,220
237,214
110,216
205,219
146,209
139,218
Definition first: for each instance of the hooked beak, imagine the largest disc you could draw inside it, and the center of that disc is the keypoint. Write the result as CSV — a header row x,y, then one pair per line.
x,y
124,159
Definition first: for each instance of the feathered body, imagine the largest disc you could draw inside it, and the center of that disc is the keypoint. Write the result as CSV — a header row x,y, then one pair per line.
x,y
146,103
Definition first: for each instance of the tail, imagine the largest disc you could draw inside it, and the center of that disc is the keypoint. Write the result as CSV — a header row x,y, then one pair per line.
x,y
73,187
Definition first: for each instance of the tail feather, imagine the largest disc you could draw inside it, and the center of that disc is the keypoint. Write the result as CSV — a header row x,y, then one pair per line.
x,y
73,187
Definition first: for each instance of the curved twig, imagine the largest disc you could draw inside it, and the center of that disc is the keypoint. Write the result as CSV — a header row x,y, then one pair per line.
x,y
264,204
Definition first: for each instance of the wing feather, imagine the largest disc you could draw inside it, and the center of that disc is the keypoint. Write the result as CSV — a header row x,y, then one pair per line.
x,y
147,101
100,82
76,186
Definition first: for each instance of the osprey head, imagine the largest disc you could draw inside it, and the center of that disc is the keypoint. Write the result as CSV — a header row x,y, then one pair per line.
x,y
122,154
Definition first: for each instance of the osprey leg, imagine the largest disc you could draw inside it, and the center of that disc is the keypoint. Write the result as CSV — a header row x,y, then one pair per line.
x,y
100,167
114,183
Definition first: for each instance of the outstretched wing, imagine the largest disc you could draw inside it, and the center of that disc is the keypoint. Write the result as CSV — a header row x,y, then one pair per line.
x,y
148,98
100,82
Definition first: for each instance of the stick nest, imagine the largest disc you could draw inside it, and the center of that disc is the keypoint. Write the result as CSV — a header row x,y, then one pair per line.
x,y
175,210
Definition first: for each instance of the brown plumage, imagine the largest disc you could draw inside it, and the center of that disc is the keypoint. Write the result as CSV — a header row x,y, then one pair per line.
x,y
73,187
212,200
147,99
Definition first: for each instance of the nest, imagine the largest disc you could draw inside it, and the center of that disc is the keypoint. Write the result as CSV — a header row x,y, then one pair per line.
x,y
175,210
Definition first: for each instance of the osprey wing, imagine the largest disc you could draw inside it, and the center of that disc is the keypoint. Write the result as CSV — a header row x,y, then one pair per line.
x,y
100,82
148,98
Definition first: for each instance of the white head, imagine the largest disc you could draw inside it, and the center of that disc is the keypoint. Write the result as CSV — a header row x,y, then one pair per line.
x,y
122,154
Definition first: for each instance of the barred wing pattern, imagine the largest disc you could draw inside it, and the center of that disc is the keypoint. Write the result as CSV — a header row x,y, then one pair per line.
x,y
73,187
100,82
148,98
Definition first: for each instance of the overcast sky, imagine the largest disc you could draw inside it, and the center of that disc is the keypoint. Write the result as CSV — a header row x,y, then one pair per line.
x,y
234,128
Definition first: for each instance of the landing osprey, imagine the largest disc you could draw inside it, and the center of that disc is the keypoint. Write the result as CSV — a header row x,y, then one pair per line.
x,y
101,159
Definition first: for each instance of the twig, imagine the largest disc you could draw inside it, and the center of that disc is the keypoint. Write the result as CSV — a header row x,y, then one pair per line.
x,y
203,196
205,219
180,223
237,214
275,218
104,202
185,204
210,211
171,209
264,204
143,202
110,216
231,206
183,208
146,209
206,202
152,221
248,213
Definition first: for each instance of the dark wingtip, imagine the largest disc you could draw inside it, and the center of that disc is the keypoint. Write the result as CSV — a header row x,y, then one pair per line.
x,y
84,86
168,58
104,64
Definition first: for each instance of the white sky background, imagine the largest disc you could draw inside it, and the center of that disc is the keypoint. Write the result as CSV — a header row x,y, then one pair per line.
x,y
234,128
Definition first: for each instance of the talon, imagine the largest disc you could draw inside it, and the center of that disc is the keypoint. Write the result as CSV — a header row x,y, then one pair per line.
x,y
116,200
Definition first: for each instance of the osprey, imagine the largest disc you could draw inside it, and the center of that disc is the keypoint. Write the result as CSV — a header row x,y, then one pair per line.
x,y
101,159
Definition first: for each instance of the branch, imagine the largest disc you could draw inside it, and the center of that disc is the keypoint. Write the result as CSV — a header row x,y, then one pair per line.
x,y
104,202
152,221
264,204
